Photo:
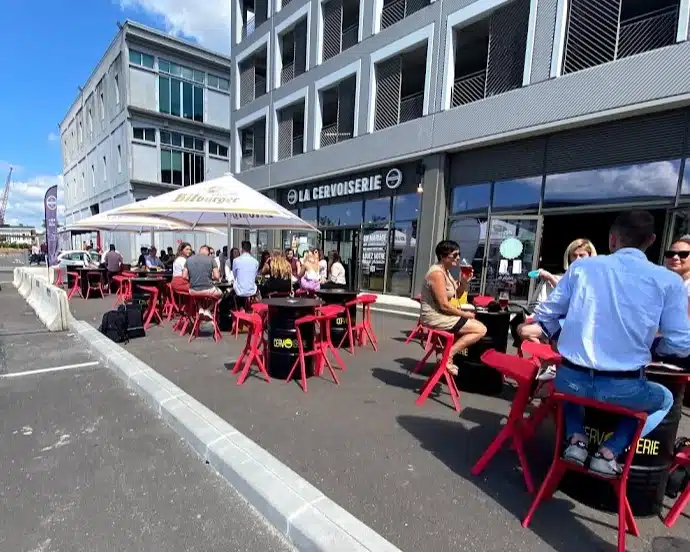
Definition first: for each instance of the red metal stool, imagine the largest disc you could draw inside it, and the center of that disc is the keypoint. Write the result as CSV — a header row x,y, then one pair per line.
x,y
94,282
207,302
331,312
681,459
124,290
626,521
482,301
322,345
418,329
170,306
523,372
261,309
152,306
254,348
185,312
76,286
356,331
57,272
539,353
439,342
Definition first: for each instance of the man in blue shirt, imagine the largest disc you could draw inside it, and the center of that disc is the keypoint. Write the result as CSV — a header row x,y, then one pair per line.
x,y
244,270
608,310
152,260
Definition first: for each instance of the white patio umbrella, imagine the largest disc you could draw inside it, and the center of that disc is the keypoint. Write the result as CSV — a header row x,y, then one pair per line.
x,y
224,202
127,223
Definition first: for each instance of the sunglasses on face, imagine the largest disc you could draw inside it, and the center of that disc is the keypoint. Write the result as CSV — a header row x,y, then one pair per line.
x,y
681,254
454,255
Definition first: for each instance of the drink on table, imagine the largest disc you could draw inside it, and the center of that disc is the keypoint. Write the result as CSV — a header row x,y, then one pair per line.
x,y
466,269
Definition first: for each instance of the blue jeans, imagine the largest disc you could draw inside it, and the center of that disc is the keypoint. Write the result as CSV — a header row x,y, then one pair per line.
x,y
634,393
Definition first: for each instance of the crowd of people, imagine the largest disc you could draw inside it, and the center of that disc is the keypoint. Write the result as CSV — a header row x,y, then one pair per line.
x,y
606,315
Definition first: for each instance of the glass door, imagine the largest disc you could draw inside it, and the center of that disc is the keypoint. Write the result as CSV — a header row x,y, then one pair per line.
x,y
346,243
374,254
512,247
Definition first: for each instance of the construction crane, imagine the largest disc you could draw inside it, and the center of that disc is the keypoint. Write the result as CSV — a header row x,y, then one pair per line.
x,y
5,196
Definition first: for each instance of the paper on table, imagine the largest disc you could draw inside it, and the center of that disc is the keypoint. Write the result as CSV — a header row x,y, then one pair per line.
x,y
503,266
517,266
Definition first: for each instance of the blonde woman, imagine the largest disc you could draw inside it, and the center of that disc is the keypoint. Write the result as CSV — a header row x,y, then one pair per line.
x,y
578,249
310,279
279,275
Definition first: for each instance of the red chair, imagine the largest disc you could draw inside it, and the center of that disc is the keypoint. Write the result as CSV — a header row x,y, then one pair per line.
x,y
254,348
626,521
57,272
356,331
207,302
186,312
76,285
322,345
483,301
418,329
681,459
538,354
152,306
439,342
261,309
170,306
94,282
124,290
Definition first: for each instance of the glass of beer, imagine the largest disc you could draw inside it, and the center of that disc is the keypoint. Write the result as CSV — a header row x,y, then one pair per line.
x,y
466,269
503,300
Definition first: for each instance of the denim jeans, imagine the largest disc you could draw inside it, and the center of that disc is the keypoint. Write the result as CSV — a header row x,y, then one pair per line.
x,y
634,393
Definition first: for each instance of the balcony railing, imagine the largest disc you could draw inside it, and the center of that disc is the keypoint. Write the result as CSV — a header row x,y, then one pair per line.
x,y
259,86
350,36
399,9
411,107
469,88
297,145
647,32
249,27
287,73
331,136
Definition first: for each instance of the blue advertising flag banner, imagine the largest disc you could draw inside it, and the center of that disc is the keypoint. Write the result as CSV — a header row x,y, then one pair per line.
x,y
50,203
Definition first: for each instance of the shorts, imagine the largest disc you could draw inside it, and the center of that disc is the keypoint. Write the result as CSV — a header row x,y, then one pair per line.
x,y
458,325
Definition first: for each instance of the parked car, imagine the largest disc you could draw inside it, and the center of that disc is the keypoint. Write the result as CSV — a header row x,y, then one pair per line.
x,y
78,258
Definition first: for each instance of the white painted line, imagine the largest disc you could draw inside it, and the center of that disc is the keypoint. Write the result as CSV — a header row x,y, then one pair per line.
x,y
53,369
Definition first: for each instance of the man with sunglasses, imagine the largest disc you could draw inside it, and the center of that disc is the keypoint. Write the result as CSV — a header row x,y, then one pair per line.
x,y
676,259
612,307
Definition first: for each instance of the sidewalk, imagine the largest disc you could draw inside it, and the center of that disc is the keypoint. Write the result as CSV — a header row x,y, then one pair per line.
x,y
401,469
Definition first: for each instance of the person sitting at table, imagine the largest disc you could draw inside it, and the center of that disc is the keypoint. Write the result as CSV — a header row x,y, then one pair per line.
x,y
336,272
677,259
264,261
279,276
201,272
323,265
244,270
113,263
152,260
179,282
294,263
309,279
436,310
611,307
143,252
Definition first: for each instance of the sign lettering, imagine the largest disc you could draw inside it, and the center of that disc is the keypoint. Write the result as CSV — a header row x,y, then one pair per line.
x,y
645,446
285,343
372,183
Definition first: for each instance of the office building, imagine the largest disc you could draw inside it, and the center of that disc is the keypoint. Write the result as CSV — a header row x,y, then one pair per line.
x,y
394,124
154,115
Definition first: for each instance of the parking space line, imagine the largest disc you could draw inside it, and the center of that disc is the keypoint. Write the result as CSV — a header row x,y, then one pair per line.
x,y
47,370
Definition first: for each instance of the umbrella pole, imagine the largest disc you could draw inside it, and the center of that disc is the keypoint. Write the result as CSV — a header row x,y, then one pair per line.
x,y
151,239
230,244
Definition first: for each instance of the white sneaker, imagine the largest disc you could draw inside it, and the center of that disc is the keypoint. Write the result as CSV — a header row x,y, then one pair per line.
x,y
546,373
205,312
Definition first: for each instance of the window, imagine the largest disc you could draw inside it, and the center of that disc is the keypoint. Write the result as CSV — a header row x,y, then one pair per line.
x,y
215,148
181,164
93,177
628,183
89,120
177,139
117,89
377,211
146,134
105,171
393,11
119,159
406,207
165,66
102,106
180,98
341,214
218,82
83,184
81,134
470,198
139,58
516,194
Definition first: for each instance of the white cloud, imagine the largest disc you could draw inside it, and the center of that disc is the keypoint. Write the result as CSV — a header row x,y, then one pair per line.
x,y
25,204
208,21
53,137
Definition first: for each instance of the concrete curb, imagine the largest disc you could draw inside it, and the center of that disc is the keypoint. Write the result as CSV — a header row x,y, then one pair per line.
x,y
307,517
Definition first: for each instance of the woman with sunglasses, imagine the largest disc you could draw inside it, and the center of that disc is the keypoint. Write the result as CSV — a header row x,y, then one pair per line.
x,y
436,308
677,259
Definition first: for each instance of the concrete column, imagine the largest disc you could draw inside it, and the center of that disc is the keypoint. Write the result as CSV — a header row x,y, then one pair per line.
x,y
431,225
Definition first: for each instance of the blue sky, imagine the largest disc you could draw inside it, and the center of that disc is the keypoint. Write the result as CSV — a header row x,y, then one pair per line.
x,y
55,44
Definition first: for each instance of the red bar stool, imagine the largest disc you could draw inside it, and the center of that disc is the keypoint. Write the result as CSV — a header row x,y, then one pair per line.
x,y
539,353
208,303
681,459
330,312
438,342
482,301
419,328
170,306
76,286
322,345
152,306
523,372
356,331
185,312
254,348
94,282
57,272
261,309
124,290
626,521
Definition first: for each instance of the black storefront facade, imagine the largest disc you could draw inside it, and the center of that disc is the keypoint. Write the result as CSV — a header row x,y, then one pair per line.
x,y
549,190
370,217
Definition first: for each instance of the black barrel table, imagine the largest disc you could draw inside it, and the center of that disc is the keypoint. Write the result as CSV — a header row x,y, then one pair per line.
x,y
283,349
653,456
473,375
339,296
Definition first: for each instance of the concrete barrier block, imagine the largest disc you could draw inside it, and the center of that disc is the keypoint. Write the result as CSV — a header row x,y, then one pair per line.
x,y
17,277
25,285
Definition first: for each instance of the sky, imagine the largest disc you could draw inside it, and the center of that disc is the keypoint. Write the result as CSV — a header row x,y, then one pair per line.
x,y
49,48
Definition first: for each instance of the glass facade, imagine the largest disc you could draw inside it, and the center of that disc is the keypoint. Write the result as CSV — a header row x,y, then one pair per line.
x,y
180,98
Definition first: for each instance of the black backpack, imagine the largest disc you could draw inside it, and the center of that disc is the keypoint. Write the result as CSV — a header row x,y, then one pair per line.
x,y
134,320
114,326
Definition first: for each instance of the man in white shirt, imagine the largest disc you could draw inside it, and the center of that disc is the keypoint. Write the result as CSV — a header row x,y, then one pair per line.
x,y
610,309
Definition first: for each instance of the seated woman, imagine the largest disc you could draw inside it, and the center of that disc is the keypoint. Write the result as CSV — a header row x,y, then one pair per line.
x,y
336,272
526,331
309,273
278,277
677,259
436,309
179,283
